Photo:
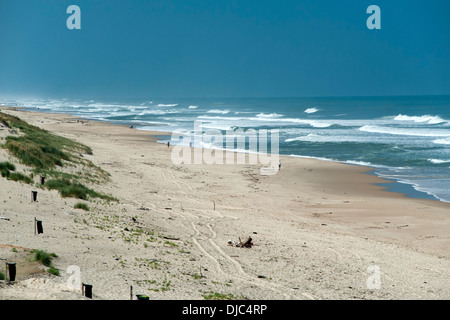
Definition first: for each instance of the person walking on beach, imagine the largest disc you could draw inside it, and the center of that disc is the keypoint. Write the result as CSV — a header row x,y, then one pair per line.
x,y
279,165
168,144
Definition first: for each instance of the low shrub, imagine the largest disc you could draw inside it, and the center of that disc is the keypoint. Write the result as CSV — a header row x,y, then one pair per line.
x,y
81,205
77,190
8,166
17,176
44,257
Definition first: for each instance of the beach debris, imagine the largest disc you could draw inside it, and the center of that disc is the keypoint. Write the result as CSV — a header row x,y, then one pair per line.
x,y
241,244
171,238
144,208
4,218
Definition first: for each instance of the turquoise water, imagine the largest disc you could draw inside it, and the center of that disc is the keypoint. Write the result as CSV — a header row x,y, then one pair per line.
x,y
406,139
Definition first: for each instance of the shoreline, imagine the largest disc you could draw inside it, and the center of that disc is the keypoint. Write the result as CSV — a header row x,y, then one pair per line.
x,y
402,188
316,225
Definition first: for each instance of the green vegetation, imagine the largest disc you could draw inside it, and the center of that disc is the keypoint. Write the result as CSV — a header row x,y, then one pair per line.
x,y
53,271
81,205
2,276
68,188
38,148
48,154
7,167
46,259
17,176
218,296
171,244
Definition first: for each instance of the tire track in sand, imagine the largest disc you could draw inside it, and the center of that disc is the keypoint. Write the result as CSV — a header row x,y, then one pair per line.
x,y
229,267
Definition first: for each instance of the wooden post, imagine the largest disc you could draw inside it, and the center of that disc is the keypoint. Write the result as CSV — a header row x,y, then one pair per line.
x,y
131,292
35,226
214,205
88,291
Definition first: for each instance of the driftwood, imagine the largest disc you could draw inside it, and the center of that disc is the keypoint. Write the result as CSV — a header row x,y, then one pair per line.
x,y
241,244
171,238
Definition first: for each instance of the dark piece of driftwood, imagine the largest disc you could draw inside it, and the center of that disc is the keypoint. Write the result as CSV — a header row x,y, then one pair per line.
x,y
171,238
245,244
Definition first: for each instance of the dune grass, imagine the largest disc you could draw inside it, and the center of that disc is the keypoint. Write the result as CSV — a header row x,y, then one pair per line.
x,y
68,188
47,260
17,176
81,205
44,257
39,148
48,154
7,167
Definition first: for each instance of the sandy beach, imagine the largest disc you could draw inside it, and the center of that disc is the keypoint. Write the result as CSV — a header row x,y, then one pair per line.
x,y
317,228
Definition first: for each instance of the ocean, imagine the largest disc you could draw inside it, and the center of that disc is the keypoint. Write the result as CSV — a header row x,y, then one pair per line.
x,y
403,138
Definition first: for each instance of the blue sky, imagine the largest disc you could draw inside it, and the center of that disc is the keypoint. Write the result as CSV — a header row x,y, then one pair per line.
x,y
221,48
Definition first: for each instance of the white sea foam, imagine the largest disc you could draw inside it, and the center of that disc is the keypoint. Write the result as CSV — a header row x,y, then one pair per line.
x,y
157,112
312,123
309,157
420,119
213,125
269,115
256,121
311,110
318,124
442,141
439,161
218,111
167,105
359,163
102,106
193,107
406,131
302,138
